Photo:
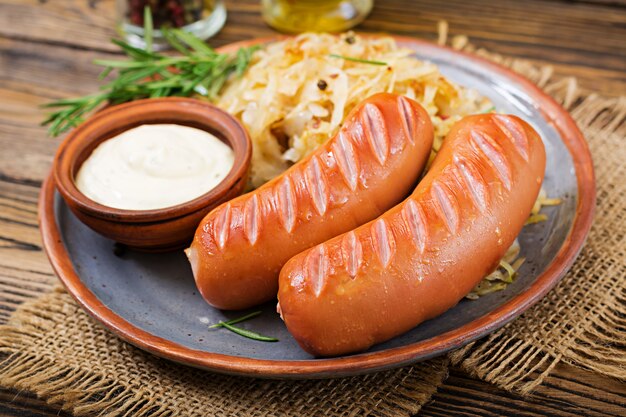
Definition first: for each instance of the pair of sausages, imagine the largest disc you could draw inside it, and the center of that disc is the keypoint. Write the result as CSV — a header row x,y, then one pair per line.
x,y
373,282
370,165
423,256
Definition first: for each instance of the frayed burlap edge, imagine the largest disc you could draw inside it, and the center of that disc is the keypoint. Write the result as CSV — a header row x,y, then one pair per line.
x,y
581,322
54,349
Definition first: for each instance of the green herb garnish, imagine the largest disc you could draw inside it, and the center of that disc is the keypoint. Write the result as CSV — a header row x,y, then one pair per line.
x,y
243,332
147,74
235,321
249,334
363,61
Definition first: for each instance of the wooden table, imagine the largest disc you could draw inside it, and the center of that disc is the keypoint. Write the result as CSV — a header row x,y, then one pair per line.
x,y
46,48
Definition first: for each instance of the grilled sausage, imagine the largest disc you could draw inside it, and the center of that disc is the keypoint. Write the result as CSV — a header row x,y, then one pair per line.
x,y
421,257
369,166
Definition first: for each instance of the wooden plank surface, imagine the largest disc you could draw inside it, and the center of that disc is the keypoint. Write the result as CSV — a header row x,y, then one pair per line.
x,y
581,39
46,48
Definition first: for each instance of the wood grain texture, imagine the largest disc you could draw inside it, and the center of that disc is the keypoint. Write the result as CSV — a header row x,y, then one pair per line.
x,y
582,39
21,404
569,391
46,49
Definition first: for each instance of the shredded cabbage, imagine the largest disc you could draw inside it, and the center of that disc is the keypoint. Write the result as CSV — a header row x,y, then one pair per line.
x,y
503,275
288,114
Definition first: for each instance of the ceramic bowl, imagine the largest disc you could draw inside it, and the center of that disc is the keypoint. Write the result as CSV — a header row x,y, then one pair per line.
x,y
158,229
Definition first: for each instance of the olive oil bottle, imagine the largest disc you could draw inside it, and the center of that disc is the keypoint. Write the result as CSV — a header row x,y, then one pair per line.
x,y
295,16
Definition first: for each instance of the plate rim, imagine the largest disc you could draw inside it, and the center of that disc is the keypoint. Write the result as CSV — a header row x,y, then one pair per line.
x,y
362,363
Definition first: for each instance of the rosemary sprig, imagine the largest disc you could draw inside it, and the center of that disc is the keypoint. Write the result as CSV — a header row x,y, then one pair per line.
x,y
363,61
235,321
147,74
249,334
243,332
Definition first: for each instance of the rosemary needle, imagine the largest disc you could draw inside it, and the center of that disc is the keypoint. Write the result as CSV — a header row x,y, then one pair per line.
x,y
249,334
362,61
243,332
235,321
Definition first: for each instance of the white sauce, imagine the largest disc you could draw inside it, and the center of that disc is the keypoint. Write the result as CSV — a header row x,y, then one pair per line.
x,y
154,166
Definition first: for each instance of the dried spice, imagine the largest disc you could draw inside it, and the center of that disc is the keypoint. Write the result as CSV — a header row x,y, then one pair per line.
x,y
168,13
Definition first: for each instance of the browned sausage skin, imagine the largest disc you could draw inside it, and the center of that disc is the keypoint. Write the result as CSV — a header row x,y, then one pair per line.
x,y
369,166
421,257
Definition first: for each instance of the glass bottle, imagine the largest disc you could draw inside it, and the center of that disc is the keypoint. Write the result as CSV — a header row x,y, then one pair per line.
x,y
203,18
295,16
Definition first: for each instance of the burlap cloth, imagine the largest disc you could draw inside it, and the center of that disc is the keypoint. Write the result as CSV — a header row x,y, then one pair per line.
x,y
52,348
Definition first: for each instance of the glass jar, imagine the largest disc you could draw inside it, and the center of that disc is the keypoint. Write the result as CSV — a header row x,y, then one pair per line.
x,y
295,16
203,18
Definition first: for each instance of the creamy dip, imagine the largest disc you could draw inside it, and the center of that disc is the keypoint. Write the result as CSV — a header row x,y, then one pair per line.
x,y
154,166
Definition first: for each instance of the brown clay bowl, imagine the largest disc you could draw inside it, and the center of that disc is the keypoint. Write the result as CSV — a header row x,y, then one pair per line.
x,y
158,229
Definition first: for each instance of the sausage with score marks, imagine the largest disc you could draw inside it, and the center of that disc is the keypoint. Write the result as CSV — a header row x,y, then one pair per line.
x,y
365,169
423,256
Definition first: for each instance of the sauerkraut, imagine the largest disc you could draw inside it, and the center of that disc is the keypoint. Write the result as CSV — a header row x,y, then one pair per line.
x,y
295,95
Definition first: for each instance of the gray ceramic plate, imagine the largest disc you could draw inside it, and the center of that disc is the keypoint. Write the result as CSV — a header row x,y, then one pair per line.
x,y
151,301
